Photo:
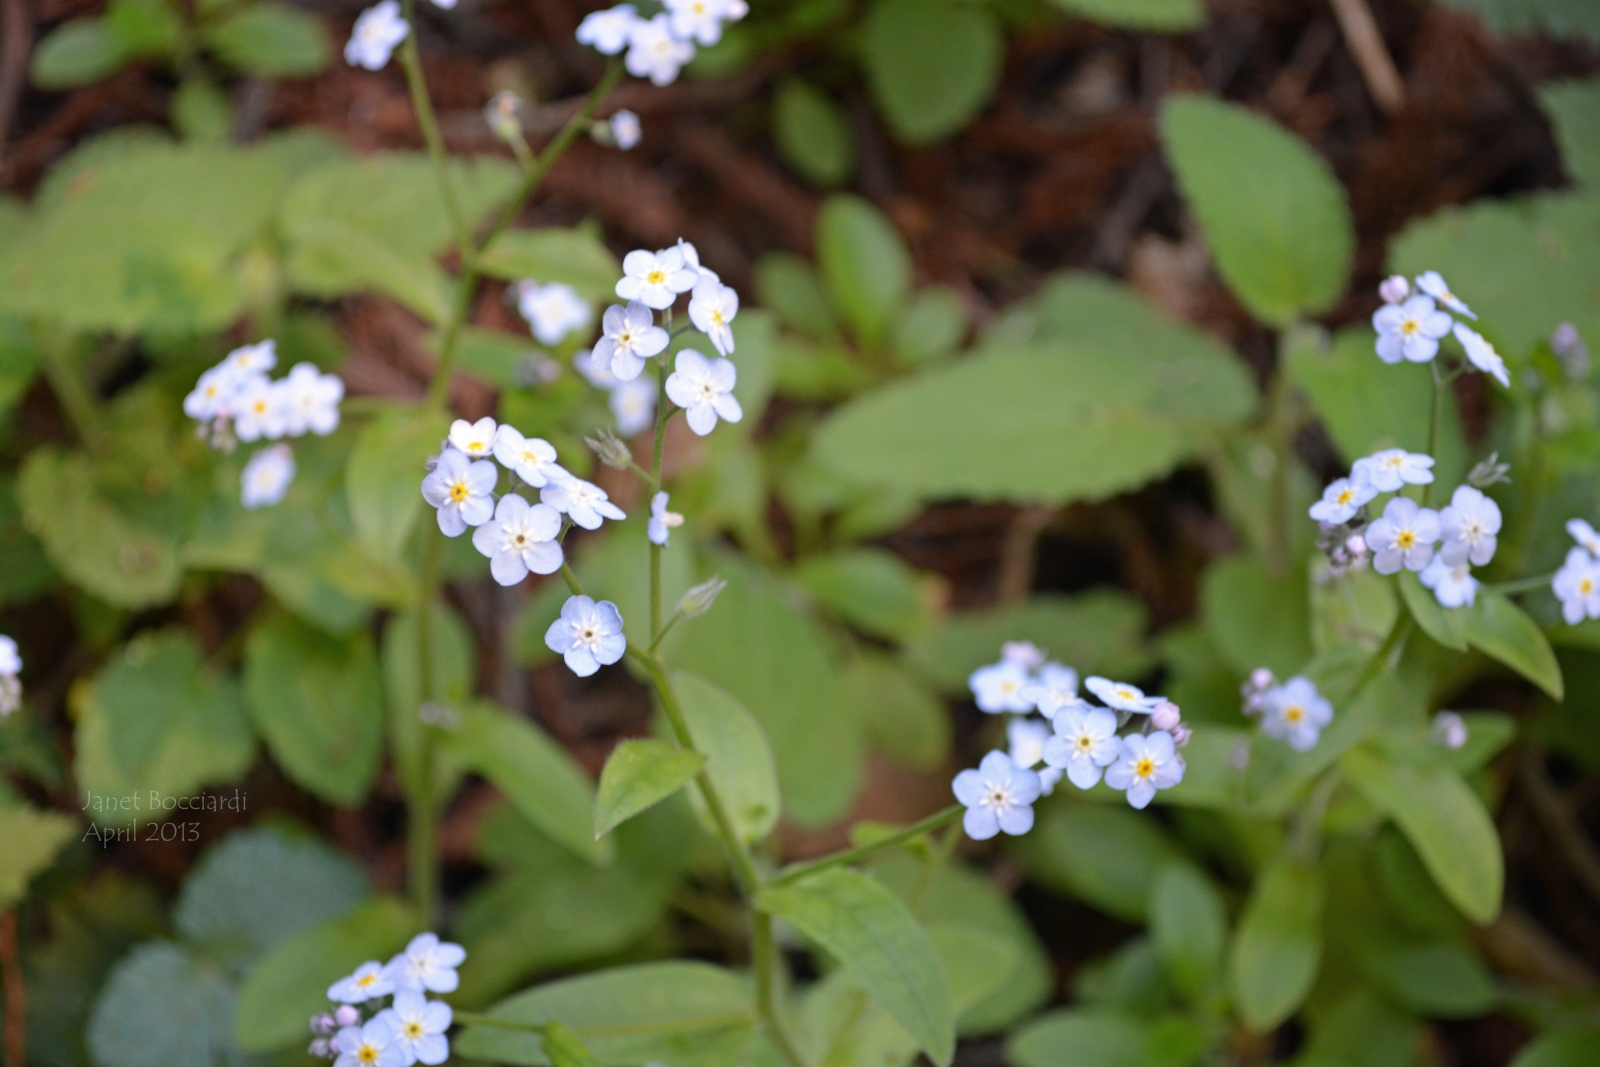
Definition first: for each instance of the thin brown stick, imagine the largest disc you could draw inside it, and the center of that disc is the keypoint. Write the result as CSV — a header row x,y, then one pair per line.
x,y
1371,54
16,47
1556,819
1020,552
15,993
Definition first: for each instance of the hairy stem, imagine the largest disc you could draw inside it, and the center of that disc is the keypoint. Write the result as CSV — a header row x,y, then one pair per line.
x,y
801,871
663,416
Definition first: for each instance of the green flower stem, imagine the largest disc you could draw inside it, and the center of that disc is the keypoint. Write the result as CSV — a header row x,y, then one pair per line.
x,y
801,871
62,368
1433,424
1307,841
663,416
475,1018
765,962
665,630
422,103
1522,585
1387,652
422,829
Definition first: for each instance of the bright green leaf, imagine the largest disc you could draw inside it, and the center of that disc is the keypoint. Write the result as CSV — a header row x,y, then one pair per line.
x,y
565,1048
1080,1039
1561,1048
906,720
738,758
864,265
33,838
318,701
1499,628
267,39
289,984
875,937
1189,926
639,774
1447,626
678,1012
932,326
1159,16
1442,979
1445,822
1108,857
75,53
1278,947
384,479
1273,212
871,587
1574,109
1257,617
789,286
932,65
577,257
542,782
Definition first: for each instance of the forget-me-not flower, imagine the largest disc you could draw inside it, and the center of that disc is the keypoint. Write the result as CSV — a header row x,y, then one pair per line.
x,y
1085,742
1468,526
1295,712
1410,330
1146,763
998,796
462,489
1403,536
587,635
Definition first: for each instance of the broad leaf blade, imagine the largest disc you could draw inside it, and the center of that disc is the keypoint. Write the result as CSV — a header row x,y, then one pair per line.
x,y
1278,947
638,775
873,934
1448,626
1499,628
738,758
384,479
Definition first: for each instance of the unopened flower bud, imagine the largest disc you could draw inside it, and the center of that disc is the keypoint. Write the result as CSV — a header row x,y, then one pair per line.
x,y
698,600
1449,729
1024,654
625,129
610,449
503,113
1489,472
1261,678
1356,545
321,1048
347,1015
10,694
1394,289
1569,348
1165,716
1181,734
322,1023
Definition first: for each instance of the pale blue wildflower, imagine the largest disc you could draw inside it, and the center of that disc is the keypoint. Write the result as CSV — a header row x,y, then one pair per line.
x,y
1468,526
1403,536
1085,741
1146,763
587,635
998,796
1295,712
1410,331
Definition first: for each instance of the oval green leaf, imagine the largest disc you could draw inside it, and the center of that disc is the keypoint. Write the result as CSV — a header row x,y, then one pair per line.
x,y
1447,626
638,775
1278,948
737,756
932,65
1498,628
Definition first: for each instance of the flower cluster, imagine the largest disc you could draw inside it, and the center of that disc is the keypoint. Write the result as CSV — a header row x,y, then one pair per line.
x,y
660,46
553,311
237,401
1294,711
363,1033
1405,535
1577,583
10,685
1074,739
1411,326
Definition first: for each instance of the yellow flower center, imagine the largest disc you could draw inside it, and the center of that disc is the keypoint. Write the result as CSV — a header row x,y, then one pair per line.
x,y
1346,496
413,1030
458,492
1406,539
366,980
1294,713
1085,742
1125,694
368,1054
1410,326
1145,767
656,277
1586,586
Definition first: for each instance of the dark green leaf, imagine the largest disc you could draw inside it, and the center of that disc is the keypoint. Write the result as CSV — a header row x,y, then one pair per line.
x,y
318,701
906,720
1444,979
1080,1039
814,134
1257,617
870,587
565,1049
1574,109
1499,628
932,65
788,285
1108,857
1278,947
872,933
1516,18
1274,214
1447,626
542,782
678,1012
864,265
1189,926
384,479
267,39
1562,1048
1160,16
289,985
1445,822
738,758
639,774
577,257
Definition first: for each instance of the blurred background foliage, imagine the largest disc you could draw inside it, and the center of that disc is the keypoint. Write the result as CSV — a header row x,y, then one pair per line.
x,y
1055,323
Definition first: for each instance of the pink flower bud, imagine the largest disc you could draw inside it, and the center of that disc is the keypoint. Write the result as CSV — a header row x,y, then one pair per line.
x,y
322,1024
1165,716
347,1015
1181,735
1261,678
321,1048
1394,289
1024,654
1356,545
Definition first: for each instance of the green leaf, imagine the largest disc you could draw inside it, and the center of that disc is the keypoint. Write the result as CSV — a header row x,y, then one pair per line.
x,y
1442,979
789,286
679,1012
1189,926
453,675
1159,16
738,758
1561,1048
1278,947
873,934
542,782
777,662
906,720
864,265
870,587
267,39
384,479
1273,212
33,838
565,1048
1574,110
1108,857
1516,18
932,326
1072,1038
289,985
76,53
146,27
1366,1029
162,1008
1366,405
155,723
1109,394
1447,626
813,134
318,701
88,539
575,256
1520,264
200,111
639,774
1257,617
1100,632
1500,629
1445,822
932,65
258,888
